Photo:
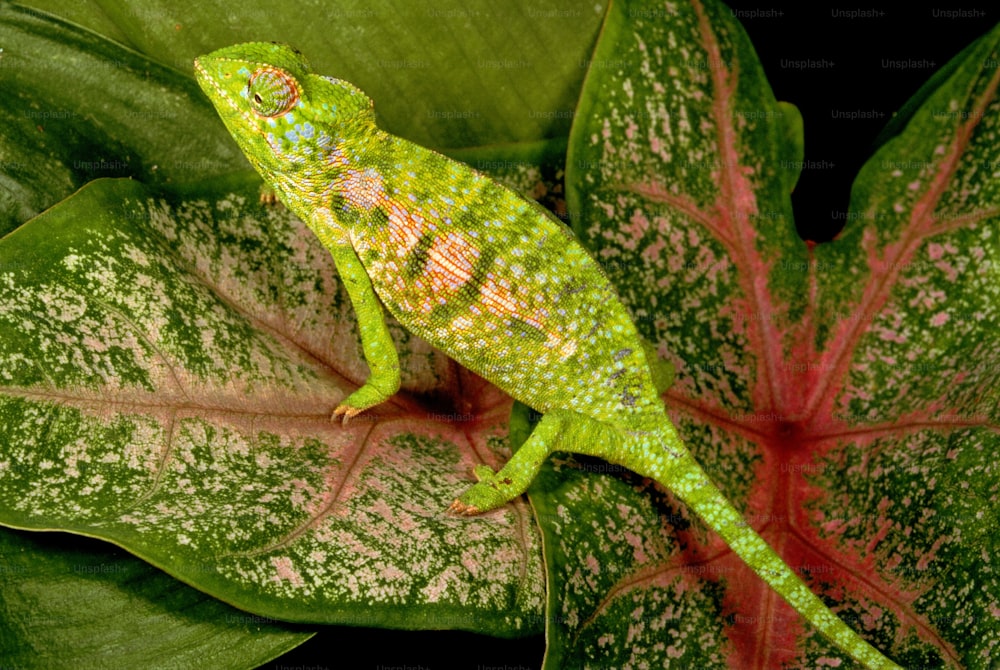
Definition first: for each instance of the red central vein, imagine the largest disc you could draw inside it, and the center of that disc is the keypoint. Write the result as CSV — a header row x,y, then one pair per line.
x,y
734,209
921,226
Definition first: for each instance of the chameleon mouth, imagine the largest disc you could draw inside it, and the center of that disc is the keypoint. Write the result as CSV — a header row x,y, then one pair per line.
x,y
201,74
208,83
216,93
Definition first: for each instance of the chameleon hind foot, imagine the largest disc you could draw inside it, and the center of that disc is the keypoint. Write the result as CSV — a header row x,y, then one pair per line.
x,y
496,489
483,496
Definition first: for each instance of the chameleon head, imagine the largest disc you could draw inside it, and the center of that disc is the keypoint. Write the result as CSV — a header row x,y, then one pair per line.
x,y
284,118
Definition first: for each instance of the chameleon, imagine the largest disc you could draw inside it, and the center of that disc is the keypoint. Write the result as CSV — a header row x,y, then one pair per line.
x,y
488,277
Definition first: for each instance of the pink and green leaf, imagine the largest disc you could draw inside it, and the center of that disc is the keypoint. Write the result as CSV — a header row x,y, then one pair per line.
x,y
169,353
175,399
843,395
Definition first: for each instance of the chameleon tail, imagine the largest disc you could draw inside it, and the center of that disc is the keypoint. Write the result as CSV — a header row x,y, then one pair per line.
x,y
685,477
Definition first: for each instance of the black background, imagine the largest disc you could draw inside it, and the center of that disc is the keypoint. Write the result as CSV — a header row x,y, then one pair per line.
x,y
857,80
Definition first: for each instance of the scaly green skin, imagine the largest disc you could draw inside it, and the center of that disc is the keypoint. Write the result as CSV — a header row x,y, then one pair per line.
x,y
484,275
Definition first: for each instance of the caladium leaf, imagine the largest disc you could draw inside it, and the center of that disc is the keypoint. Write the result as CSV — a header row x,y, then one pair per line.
x,y
844,396
167,375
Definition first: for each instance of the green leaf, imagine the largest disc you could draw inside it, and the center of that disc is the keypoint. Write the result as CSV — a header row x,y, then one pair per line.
x,y
843,396
66,603
450,74
81,107
175,399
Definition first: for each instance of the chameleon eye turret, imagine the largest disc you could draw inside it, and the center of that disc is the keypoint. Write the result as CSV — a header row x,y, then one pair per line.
x,y
272,92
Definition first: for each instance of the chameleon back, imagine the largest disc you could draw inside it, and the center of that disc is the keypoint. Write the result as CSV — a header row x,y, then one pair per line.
x,y
493,280
472,267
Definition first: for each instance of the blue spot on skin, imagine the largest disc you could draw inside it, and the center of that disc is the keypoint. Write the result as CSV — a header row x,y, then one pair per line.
x,y
292,136
272,123
306,130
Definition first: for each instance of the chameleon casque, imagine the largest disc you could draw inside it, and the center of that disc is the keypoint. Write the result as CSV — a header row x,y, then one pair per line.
x,y
485,275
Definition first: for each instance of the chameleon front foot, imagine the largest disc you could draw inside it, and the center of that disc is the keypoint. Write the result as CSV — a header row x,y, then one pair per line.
x,y
362,399
345,411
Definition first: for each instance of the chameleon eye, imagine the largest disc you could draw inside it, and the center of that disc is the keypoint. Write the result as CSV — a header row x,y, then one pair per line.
x,y
272,92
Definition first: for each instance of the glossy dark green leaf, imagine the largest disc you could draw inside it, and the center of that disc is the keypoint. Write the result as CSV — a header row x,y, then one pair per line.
x,y
79,107
72,602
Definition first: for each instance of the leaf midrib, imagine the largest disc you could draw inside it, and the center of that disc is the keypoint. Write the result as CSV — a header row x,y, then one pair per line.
x,y
920,228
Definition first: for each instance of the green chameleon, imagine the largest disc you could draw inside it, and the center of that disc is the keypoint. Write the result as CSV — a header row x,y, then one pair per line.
x,y
485,275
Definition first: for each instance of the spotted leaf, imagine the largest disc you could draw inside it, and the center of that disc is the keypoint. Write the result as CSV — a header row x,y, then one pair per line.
x,y
843,394
167,374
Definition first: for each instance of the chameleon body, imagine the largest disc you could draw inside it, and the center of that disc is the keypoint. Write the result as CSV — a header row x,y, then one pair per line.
x,y
485,275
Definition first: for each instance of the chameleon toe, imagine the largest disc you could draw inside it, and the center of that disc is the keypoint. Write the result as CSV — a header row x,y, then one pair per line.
x,y
345,411
460,508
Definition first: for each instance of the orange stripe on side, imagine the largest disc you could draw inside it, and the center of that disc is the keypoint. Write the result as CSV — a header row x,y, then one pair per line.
x,y
498,298
405,228
450,263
